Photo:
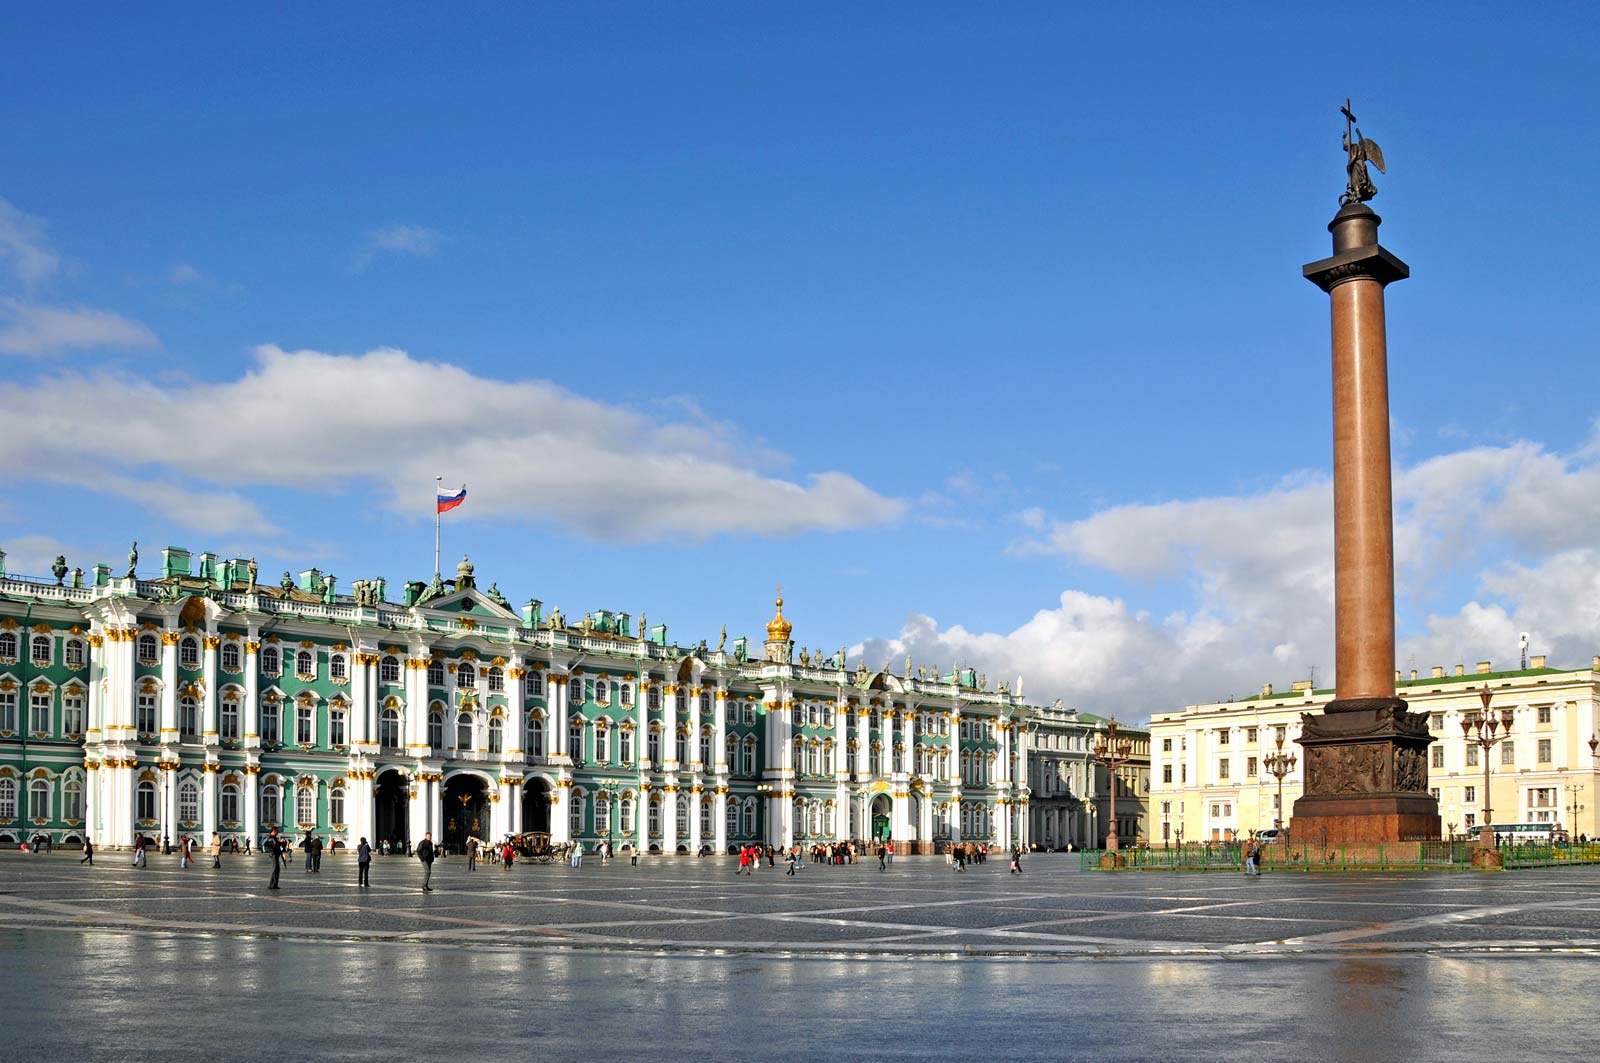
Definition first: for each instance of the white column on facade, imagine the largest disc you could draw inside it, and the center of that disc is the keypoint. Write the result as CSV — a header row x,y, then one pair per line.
x,y
669,736
669,819
208,695
899,814
925,827
695,763
560,817
719,721
863,744
415,724
955,819
514,812
252,805
361,690
719,818
908,738
252,692
641,818
841,735
417,813
696,803
208,804
641,736
516,710
557,697
95,699
169,687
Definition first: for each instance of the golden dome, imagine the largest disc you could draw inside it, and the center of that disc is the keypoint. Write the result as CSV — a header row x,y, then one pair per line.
x,y
778,630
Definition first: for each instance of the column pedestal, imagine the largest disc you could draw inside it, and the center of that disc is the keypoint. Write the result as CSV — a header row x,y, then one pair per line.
x,y
1366,775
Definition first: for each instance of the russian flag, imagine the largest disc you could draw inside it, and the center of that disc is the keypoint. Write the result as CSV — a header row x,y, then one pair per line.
x,y
449,501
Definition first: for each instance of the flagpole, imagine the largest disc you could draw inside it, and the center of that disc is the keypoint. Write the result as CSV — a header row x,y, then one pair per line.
x,y
437,487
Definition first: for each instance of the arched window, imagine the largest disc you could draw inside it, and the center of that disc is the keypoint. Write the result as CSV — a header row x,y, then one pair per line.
x,y
230,804
189,652
535,739
733,819
189,716
40,703
575,691
436,673
602,814
653,744
389,728
627,815
749,714
336,806
536,684
39,799
8,798
707,811
337,716
72,653
188,803
305,724
750,817
466,675
624,694
144,712
749,754
602,691
230,657
271,661
271,729
575,810
799,762
682,750
497,731
497,680
144,802
731,752
41,655
8,646
72,799
652,700
655,816
575,741
338,668
680,816
305,664
230,715
464,731
305,806
875,759
436,728
707,737
625,746
389,669
705,702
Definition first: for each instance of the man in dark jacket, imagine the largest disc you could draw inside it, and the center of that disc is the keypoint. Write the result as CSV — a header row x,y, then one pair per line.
x,y
425,854
274,848
363,862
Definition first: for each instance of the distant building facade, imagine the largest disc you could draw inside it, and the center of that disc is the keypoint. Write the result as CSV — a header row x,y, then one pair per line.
x,y
1209,762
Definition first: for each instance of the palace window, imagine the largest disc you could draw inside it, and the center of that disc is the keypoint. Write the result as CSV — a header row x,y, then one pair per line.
x,y
1472,756
389,728
497,680
230,803
8,647
269,723
8,798
707,826
750,816
189,716
1249,767
653,744
749,714
39,799
466,675
436,726
189,652
338,668
188,802
707,740
464,731
1544,751
72,800
8,710
705,702
72,714
535,736
1437,756
625,747
655,817
536,684
602,814
436,673
1166,773
39,704
144,801
624,694
72,654
733,819
1508,753
602,742
305,724
497,733
148,649
575,741
271,661
1435,721
336,727
627,815
602,691
1469,794
271,805
336,805
682,751
389,669
230,657
576,812
1544,713
1222,768
575,692
875,759
305,806
305,664
652,700
41,655
749,755
731,752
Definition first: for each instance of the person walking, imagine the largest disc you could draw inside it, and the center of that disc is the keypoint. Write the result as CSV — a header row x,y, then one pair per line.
x,y
472,854
508,856
363,862
316,855
883,857
1252,854
305,845
88,851
138,849
1016,860
273,846
790,857
425,854
216,850
889,848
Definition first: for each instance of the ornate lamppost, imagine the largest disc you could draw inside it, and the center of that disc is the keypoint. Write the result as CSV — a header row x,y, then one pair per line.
x,y
1113,752
1486,730
1279,764
1574,789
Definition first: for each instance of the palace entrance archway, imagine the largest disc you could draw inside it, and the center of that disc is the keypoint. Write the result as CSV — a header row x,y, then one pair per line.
x,y
881,807
536,804
466,810
391,797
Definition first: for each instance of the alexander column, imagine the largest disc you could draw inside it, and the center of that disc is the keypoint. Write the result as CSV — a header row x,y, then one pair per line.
x,y
1365,754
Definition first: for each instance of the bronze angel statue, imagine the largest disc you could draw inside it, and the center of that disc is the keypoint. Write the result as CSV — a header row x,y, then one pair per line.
x,y
1358,152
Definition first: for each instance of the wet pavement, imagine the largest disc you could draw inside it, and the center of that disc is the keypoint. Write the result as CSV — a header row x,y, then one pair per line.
x,y
679,959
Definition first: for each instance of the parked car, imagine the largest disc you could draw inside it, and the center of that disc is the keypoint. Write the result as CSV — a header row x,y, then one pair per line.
x,y
1271,836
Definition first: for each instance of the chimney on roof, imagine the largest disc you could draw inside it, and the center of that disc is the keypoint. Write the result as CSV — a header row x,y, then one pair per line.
x,y
1483,668
1301,684
1461,669
1397,675
1438,671
1413,675
1536,661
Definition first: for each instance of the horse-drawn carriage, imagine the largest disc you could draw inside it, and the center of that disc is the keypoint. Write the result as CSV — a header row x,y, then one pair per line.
x,y
536,846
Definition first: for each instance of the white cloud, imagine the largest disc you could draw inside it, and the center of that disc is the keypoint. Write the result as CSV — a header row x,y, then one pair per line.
x,y
1512,522
527,449
410,241
184,274
31,330
23,246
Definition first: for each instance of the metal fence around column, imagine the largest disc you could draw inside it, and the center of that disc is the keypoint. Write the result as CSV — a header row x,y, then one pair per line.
x,y
1453,855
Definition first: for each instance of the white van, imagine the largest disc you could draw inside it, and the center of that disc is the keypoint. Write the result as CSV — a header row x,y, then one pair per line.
x,y
1272,836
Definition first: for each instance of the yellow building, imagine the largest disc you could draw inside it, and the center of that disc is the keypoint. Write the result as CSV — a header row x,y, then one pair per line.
x,y
1211,777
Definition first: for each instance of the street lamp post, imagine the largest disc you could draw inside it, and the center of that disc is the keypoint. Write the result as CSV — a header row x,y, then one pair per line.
x,y
1573,789
1486,731
1113,752
1279,765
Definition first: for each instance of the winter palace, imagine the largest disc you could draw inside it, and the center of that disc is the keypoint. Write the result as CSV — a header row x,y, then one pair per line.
x,y
1210,767
201,700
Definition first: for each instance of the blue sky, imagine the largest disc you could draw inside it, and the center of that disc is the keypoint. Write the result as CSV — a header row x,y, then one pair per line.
x,y
981,332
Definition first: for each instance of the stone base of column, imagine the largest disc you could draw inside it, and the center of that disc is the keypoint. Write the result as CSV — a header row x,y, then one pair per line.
x,y
1366,762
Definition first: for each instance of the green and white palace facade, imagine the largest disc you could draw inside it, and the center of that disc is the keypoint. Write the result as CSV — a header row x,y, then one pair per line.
x,y
203,701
